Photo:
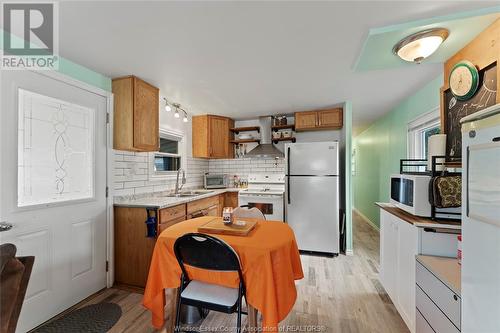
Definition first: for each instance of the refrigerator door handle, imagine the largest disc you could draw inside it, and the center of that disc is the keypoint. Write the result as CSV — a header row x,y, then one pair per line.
x,y
288,174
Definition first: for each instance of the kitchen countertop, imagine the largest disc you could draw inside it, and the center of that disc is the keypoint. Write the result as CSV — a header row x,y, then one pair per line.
x,y
159,200
445,269
422,222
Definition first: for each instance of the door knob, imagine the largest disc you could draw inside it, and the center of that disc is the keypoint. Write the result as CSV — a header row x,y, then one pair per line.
x,y
4,226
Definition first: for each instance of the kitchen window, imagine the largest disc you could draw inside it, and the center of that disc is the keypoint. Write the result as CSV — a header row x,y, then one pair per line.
x,y
419,131
169,158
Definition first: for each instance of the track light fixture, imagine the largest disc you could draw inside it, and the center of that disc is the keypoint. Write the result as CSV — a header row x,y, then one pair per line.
x,y
169,106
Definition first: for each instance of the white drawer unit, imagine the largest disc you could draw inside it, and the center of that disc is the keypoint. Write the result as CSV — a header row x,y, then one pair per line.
x,y
422,324
439,305
433,315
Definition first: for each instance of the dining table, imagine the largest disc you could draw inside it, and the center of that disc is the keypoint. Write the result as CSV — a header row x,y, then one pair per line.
x,y
270,263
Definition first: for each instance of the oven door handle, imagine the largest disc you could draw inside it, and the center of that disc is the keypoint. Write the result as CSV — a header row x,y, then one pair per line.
x,y
255,197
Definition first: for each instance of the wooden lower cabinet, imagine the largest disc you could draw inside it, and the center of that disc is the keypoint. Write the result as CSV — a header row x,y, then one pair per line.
x,y
165,225
202,205
231,199
133,250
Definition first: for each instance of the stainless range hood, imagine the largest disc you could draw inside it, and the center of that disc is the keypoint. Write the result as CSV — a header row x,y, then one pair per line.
x,y
266,147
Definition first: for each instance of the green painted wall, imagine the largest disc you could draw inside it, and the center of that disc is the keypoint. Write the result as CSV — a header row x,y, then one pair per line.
x,y
74,70
84,74
379,148
348,174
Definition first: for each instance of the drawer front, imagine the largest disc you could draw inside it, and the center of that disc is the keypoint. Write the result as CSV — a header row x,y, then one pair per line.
x,y
163,226
442,296
172,213
438,244
202,204
422,326
433,315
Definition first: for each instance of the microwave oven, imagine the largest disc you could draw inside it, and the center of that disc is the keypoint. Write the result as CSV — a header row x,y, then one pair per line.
x,y
212,181
411,193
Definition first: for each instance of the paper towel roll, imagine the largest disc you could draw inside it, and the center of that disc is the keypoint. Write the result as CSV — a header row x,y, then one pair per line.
x,y
437,147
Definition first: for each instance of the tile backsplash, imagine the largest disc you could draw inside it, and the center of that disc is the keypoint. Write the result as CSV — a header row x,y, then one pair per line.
x,y
132,174
244,166
132,171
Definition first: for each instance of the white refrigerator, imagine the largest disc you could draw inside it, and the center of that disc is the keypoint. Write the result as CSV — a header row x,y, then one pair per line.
x,y
481,221
312,195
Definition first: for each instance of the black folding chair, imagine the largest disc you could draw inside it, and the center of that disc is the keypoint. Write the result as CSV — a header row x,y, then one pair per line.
x,y
209,253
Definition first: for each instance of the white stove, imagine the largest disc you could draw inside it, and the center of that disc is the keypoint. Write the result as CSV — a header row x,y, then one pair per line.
x,y
266,192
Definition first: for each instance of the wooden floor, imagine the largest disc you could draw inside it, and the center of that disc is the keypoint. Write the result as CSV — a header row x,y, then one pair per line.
x,y
342,294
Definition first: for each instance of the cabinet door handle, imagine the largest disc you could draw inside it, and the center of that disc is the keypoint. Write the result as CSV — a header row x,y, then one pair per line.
x,y
455,297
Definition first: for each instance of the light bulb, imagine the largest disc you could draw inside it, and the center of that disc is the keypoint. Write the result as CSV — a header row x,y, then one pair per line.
x,y
185,118
176,114
168,108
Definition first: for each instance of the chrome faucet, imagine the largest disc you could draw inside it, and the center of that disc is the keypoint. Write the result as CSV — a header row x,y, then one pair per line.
x,y
177,188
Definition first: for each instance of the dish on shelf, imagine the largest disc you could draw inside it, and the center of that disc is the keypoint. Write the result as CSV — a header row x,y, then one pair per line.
x,y
245,136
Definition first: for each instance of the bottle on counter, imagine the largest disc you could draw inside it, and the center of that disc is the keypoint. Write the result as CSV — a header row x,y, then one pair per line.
x,y
228,215
237,151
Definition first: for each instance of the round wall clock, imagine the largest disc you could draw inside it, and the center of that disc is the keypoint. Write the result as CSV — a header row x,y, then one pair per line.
x,y
464,80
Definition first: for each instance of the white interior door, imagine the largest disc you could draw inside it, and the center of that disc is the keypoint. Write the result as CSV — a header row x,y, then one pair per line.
x,y
53,183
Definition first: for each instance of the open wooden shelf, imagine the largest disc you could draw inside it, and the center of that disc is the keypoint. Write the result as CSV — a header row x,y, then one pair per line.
x,y
236,142
293,139
280,127
245,129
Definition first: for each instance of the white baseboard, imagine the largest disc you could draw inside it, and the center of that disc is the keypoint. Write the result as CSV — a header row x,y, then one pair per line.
x,y
367,220
349,252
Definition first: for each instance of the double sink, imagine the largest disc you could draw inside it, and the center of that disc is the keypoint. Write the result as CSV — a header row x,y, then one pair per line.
x,y
187,194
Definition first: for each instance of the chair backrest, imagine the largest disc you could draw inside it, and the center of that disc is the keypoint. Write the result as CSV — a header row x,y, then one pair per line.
x,y
247,212
206,252
14,277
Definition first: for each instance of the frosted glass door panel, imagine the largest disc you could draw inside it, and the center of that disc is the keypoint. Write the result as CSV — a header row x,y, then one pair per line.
x,y
55,150
484,183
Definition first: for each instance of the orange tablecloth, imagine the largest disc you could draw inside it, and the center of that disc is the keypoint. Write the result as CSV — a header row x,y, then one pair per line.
x,y
270,262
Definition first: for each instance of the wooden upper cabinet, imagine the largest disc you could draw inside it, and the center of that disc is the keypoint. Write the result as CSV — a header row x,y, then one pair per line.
x,y
211,137
319,120
306,120
136,115
330,118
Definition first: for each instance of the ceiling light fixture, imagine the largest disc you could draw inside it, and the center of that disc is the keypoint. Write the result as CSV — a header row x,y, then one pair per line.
x,y
420,45
177,107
